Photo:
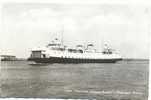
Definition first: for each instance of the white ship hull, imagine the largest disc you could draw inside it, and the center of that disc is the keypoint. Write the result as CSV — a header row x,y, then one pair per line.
x,y
72,60
65,57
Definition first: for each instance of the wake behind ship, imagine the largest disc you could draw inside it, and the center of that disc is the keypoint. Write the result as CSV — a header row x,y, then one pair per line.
x,y
56,52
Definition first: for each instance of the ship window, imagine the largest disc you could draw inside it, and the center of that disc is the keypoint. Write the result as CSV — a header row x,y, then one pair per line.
x,y
58,49
36,54
44,56
107,52
62,49
72,50
80,51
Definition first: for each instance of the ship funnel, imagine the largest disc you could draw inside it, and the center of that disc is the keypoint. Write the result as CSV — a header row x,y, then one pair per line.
x,y
80,47
90,46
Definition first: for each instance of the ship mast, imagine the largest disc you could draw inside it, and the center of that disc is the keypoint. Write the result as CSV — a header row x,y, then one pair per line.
x,y
62,35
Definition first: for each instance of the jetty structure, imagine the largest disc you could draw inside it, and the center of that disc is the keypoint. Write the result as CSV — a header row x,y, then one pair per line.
x,y
57,52
8,58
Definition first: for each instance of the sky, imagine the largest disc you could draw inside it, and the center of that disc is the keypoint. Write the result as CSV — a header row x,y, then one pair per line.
x,y
124,27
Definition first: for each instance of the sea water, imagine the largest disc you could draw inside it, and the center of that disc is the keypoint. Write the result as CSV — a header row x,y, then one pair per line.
x,y
124,80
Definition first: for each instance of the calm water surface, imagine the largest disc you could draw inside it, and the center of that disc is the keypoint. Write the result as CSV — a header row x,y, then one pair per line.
x,y
124,80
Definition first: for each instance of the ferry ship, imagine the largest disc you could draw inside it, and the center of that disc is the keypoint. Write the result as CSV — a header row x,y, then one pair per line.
x,y
57,52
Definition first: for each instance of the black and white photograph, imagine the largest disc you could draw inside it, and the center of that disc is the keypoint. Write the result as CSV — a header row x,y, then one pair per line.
x,y
74,49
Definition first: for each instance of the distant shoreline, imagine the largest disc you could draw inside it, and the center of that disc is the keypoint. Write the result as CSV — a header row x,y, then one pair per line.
x,y
14,60
135,59
124,59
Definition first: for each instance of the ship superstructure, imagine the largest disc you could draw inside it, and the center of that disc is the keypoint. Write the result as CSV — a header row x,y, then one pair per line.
x,y
56,52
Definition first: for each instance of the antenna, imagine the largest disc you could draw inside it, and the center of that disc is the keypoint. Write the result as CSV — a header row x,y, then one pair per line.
x,y
62,34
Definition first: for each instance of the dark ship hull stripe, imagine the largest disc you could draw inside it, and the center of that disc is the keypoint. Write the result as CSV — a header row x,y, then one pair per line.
x,y
72,60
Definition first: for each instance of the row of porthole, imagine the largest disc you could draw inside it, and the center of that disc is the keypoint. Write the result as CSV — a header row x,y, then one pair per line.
x,y
75,57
